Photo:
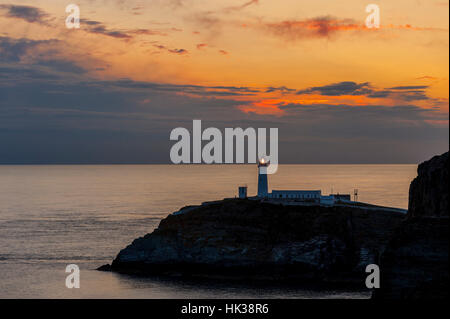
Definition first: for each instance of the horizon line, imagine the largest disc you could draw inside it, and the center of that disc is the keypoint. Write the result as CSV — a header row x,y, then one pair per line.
x,y
198,164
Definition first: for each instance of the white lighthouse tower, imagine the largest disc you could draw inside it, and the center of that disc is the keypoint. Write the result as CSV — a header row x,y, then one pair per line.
x,y
262,178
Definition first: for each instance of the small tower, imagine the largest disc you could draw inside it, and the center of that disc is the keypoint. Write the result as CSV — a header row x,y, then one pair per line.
x,y
262,178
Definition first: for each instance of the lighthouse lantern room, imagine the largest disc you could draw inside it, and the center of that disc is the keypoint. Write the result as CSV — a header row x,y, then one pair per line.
x,y
262,178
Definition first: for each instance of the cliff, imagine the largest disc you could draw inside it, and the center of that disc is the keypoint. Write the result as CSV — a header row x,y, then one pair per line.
x,y
260,241
428,193
415,263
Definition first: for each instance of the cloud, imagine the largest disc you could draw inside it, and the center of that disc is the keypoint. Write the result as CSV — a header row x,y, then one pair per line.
x,y
25,60
212,22
341,88
192,90
380,94
207,20
147,32
413,28
137,10
207,23
96,27
10,75
281,89
405,92
326,27
365,116
413,95
160,46
224,52
175,51
241,89
179,51
201,46
61,65
409,87
26,13
409,92
175,3
14,50
426,77
319,27
242,6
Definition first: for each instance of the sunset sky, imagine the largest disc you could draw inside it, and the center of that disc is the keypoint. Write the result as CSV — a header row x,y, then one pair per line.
x,y
111,91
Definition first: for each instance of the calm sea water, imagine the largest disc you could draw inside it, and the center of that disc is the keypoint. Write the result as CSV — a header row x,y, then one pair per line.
x,y
51,216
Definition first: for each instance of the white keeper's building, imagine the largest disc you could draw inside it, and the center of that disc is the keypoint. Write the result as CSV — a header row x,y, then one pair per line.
x,y
293,194
290,195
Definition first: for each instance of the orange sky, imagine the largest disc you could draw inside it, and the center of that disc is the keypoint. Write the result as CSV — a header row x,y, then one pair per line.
x,y
260,44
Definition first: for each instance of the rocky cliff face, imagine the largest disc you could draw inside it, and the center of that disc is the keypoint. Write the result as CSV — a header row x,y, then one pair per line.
x,y
415,263
253,240
428,194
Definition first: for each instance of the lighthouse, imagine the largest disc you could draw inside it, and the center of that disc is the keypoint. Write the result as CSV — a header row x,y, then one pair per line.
x,y
262,178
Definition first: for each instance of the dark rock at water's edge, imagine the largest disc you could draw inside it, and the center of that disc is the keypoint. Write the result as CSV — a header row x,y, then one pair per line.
x,y
415,263
106,267
253,240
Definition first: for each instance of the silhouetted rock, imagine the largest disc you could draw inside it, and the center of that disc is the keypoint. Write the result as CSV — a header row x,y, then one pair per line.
x,y
428,193
415,263
106,267
255,240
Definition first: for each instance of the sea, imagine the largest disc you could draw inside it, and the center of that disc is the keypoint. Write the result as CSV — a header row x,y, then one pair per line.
x,y
55,215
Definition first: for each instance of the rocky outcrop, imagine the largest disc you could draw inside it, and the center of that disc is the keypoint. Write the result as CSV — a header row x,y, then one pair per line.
x,y
428,193
415,263
255,240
